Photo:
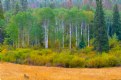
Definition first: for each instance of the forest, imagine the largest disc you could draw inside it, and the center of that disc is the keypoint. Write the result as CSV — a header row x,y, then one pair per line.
x,y
65,33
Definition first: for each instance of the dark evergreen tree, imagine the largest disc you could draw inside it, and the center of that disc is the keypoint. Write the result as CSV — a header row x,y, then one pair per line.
x,y
82,43
24,5
116,27
101,43
52,4
1,27
7,5
17,8
12,4
1,11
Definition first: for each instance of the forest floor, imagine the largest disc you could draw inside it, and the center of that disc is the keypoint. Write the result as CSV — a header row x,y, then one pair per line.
x,y
9,71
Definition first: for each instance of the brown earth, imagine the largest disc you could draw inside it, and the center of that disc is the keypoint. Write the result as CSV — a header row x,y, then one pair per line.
x,y
9,71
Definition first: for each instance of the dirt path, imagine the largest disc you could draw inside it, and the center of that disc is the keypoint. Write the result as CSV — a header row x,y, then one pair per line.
x,y
10,71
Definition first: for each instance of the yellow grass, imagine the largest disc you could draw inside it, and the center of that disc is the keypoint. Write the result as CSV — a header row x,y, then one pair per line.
x,y
9,71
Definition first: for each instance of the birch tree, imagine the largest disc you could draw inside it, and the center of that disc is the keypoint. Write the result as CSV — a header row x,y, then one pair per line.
x,y
46,15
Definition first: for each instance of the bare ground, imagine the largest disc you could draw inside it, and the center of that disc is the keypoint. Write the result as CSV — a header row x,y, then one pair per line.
x,y
9,71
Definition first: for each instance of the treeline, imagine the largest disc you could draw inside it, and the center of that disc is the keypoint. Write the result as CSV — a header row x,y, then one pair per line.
x,y
53,28
59,27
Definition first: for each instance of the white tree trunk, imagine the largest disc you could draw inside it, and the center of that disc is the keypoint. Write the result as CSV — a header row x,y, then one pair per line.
x,y
70,35
46,34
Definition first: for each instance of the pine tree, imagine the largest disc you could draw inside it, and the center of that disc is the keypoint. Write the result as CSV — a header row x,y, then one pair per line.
x,y
116,27
17,8
1,11
24,5
7,5
12,4
1,27
82,44
101,43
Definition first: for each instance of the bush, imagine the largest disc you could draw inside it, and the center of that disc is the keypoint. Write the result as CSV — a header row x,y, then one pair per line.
x,y
77,62
62,60
104,60
87,50
45,52
65,58
21,57
113,42
1,56
36,59
9,57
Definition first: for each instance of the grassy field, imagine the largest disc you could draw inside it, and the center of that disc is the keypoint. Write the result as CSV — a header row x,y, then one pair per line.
x,y
9,71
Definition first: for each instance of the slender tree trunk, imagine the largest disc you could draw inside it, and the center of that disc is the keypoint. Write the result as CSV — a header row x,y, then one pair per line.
x,y
46,33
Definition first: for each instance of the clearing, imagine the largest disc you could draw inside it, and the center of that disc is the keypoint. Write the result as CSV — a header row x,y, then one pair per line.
x,y
9,71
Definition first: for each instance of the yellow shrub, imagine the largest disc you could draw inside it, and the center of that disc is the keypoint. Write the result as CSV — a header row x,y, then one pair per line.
x,y
4,51
77,62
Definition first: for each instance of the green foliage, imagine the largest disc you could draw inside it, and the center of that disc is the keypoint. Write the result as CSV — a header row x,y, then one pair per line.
x,y
1,11
116,27
82,44
63,60
77,62
46,57
101,43
1,56
103,60
113,41
26,29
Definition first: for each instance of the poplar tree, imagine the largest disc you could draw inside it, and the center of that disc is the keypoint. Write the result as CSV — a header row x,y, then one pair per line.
x,y
101,43
116,27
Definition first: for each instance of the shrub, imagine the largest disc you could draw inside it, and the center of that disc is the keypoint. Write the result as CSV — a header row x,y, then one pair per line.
x,y
104,60
62,60
113,42
65,58
96,62
1,56
87,50
9,57
77,62
45,52
21,57
36,59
